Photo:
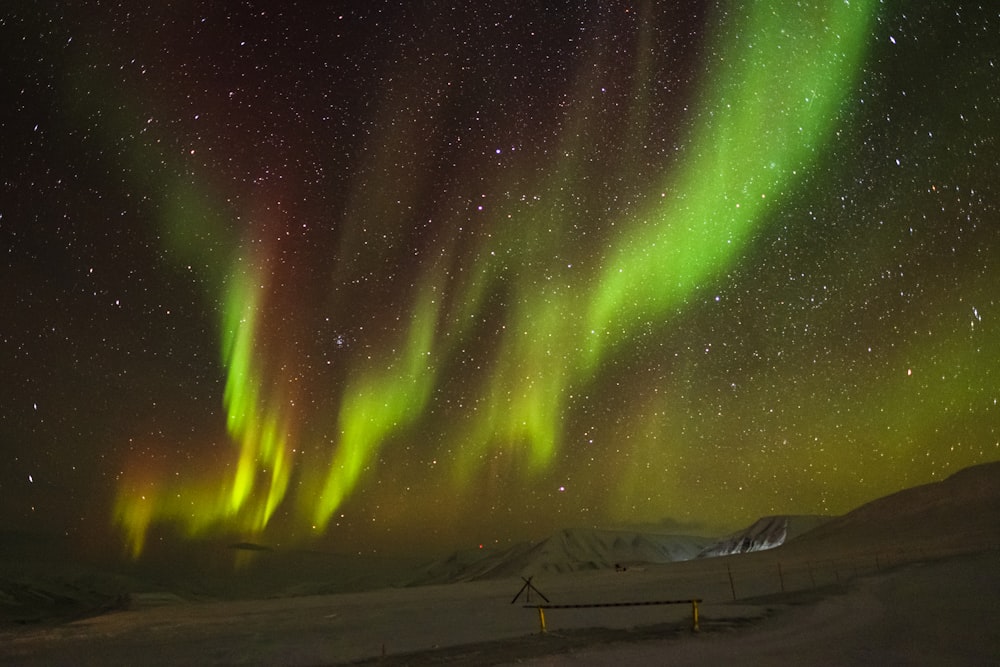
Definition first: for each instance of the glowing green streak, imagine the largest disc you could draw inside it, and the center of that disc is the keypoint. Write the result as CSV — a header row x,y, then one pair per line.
x,y
134,515
769,108
377,404
241,395
765,115
522,408
255,422
526,396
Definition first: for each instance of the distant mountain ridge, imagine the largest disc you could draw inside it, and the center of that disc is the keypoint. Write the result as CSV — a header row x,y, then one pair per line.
x,y
39,583
929,513
569,550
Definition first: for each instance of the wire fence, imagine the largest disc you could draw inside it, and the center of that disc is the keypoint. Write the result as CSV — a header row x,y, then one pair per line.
x,y
774,572
744,578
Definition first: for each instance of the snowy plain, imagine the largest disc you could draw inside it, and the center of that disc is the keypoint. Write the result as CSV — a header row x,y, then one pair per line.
x,y
912,578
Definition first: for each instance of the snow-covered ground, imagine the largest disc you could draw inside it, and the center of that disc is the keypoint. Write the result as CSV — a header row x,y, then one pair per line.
x,y
937,612
940,613
910,579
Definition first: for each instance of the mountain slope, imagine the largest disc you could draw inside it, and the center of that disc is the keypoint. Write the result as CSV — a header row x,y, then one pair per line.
x,y
568,550
962,511
765,533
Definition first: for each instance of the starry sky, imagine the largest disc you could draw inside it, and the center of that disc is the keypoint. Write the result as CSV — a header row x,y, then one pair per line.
x,y
405,277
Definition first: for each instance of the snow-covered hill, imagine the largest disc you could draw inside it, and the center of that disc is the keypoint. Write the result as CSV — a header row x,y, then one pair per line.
x,y
963,509
765,533
568,550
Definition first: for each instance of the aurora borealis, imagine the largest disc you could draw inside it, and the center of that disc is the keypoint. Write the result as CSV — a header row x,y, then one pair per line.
x,y
397,278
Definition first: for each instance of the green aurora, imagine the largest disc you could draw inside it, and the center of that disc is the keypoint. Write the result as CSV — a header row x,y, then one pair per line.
x,y
766,122
681,278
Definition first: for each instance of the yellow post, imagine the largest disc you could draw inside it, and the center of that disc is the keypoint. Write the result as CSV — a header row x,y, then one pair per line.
x,y
694,614
541,619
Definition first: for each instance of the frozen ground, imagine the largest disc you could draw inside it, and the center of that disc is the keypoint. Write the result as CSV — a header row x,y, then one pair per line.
x,y
937,612
910,579
940,613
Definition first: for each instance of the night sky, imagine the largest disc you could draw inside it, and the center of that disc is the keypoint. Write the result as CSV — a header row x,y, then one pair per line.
x,y
408,277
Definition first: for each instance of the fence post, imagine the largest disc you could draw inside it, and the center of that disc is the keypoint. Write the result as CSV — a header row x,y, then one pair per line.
x,y
732,586
695,627
781,578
